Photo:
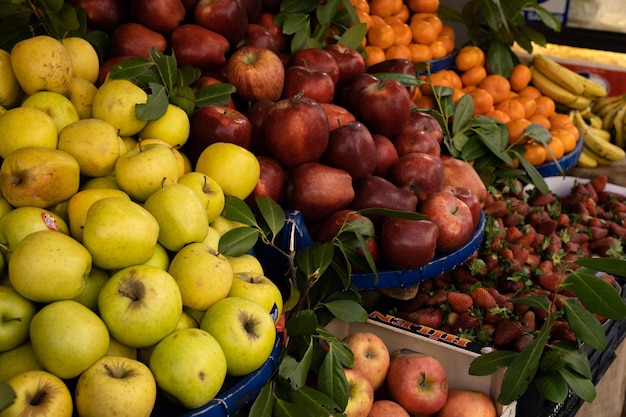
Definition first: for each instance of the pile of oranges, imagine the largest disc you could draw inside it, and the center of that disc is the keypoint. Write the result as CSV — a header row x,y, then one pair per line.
x,y
409,29
513,100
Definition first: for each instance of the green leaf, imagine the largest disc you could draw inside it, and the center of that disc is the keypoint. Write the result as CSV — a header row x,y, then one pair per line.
x,y
272,213
463,113
238,241
7,395
332,380
491,362
342,351
167,68
585,325
574,357
535,176
284,408
156,105
302,323
547,18
353,36
298,6
552,361
314,401
133,69
316,257
326,12
538,132
582,387
552,387
237,210
597,295
541,302
294,372
214,94
499,57
187,75
347,310
262,405
607,265
295,22
407,80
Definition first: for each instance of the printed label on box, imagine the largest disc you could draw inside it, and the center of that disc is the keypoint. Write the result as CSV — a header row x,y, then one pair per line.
x,y
558,8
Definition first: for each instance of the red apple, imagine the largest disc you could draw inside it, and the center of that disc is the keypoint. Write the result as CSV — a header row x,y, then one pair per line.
x,y
296,131
206,80
215,123
199,47
420,121
387,408
257,73
229,18
162,16
351,147
458,172
136,40
256,114
418,382
316,58
467,403
371,356
106,66
317,190
271,181
418,172
350,94
384,107
259,36
314,84
189,5
397,65
409,141
452,216
468,197
377,192
267,21
361,395
386,155
337,115
400,249
104,15
253,9
350,62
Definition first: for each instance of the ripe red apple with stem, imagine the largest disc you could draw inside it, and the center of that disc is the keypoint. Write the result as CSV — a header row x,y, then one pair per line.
x,y
350,62
458,172
257,73
361,395
371,356
337,115
400,249
257,35
409,141
453,218
468,197
418,172
314,84
351,147
316,58
420,121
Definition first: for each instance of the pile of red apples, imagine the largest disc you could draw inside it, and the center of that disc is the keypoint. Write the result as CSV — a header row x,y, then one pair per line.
x,y
331,135
405,383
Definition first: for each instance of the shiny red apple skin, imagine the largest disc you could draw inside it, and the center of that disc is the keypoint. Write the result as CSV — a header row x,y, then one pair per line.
x,y
199,47
458,172
266,20
407,244
257,73
253,9
316,58
420,121
386,155
271,181
418,382
314,84
104,15
384,106
296,131
387,408
371,356
468,403
377,192
418,172
135,39
256,114
351,147
452,216
229,18
350,62
162,16
257,35
317,190
468,197
409,141
350,94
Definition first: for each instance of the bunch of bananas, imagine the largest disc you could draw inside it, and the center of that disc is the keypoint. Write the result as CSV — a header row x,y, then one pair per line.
x,y
567,88
598,145
612,112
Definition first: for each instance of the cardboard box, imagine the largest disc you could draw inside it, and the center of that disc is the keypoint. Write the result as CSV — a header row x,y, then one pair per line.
x,y
559,8
453,352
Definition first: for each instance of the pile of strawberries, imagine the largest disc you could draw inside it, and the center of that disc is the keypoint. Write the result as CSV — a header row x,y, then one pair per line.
x,y
530,246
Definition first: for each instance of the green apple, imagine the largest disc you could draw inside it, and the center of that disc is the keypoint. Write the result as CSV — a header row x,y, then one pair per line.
x,y
245,263
81,93
47,266
233,167
107,181
140,304
68,338
115,102
16,312
119,233
94,282
173,127
38,176
10,90
85,61
244,330
117,348
39,393
26,126
223,225
195,314
17,360
42,63
189,366
5,207
181,216
56,105
116,386
160,259
203,275
208,190
145,169
78,206
22,221
212,238
94,143
260,289
179,156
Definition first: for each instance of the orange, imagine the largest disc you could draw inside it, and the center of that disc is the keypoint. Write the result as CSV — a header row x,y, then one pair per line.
x,y
516,130
373,55
454,78
483,101
559,120
403,33
498,115
556,147
529,103
382,8
530,90
377,20
447,30
435,22
469,56
398,52
512,107
448,42
392,19
425,102
540,120
473,75
403,14
545,106
382,36
423,32
365,18
520,77
497,85
436,79
361,5
439,49
428,6
457,94
420,53
566,137
535,153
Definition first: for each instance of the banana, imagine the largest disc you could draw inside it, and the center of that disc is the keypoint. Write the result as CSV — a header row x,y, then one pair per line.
x,y
586,159
605,105
609,115
552,89
600,161
567,78
595,121
618,127
601,147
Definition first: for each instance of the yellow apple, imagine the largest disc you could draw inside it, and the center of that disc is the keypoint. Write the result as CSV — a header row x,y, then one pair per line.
x,y
42,63
173,127
78,205
108,181
26,126
85,61
115,102
81,94
10,90
245,263
56,105
53,394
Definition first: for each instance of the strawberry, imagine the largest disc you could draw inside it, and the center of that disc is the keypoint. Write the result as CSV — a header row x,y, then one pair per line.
x,y
497,296
549,281
482,298
467,321
451,319
459,301
522,342
437,298
562,331
427,316
507,331
528,320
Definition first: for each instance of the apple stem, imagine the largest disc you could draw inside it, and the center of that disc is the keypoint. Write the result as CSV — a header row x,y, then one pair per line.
x,y
423,380
38,398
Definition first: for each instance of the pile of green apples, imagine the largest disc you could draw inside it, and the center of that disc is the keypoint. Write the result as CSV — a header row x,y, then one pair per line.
x,y
113,290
